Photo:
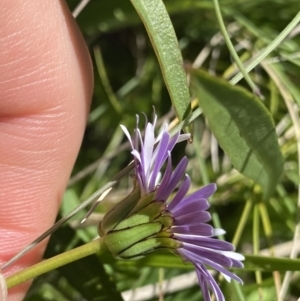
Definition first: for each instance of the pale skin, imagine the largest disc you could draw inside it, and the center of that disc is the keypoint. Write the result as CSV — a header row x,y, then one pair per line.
x,y
46,85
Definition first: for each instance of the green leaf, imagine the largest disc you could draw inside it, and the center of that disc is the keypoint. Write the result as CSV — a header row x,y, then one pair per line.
x,y
251,263
108,16
160,259
163,38
243,127
264,263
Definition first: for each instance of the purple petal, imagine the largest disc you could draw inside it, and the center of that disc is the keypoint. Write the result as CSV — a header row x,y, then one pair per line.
x,y
154,118
158,140
205,242
135,138
200,229
136,155
206,191
236,258
138,141
205,277
161,132
236,263
167,174
195,196
203,284
202,193
147,150
207,254
124,129
198,205
160,158
177,174
182,191
192,219
173,141
196,259
140,172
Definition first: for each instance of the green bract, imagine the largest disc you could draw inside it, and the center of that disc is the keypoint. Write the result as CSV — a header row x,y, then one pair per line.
x,y
136,226
119,212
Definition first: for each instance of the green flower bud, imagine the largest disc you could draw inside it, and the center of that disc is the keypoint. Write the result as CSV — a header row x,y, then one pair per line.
x,y
137,226
120,240
144,247
144,215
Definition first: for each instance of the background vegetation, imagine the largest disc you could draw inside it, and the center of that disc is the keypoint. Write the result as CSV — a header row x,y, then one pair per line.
x,y
259,219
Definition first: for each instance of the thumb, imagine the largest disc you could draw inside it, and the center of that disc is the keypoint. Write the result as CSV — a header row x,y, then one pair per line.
x,y
45,88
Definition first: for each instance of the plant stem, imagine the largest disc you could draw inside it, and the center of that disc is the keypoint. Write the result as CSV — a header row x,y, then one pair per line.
x,y
242,222
47,265
232,50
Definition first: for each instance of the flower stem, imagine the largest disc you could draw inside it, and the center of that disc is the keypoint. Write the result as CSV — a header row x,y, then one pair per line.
x,y
47,265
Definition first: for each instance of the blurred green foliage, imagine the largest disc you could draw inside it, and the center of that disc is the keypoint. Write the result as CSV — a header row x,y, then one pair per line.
x,y
128,81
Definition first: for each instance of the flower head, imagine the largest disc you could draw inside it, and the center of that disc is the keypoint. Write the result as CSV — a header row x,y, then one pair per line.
x,y
151,152
147,219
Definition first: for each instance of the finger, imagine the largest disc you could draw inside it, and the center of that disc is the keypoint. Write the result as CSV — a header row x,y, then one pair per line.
x,y
45,88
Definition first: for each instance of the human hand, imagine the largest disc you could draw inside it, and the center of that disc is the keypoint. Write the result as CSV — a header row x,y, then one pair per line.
x,y
45,90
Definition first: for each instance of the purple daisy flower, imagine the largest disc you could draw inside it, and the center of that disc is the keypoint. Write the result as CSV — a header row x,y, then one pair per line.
x,y
151,152
193,236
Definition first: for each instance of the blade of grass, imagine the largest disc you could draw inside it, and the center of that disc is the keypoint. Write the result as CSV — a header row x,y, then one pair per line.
x,y
256,240
242,223
79,8
265,52
230,46
105,81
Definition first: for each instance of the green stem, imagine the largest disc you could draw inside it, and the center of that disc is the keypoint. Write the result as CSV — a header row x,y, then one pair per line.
x,y
64,219
242,222
238,291
267,226
232,50
50,264
256,241
105,81
217,224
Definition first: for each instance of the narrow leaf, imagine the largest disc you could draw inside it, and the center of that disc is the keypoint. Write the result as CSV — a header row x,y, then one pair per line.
x,y
163,38
265,263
